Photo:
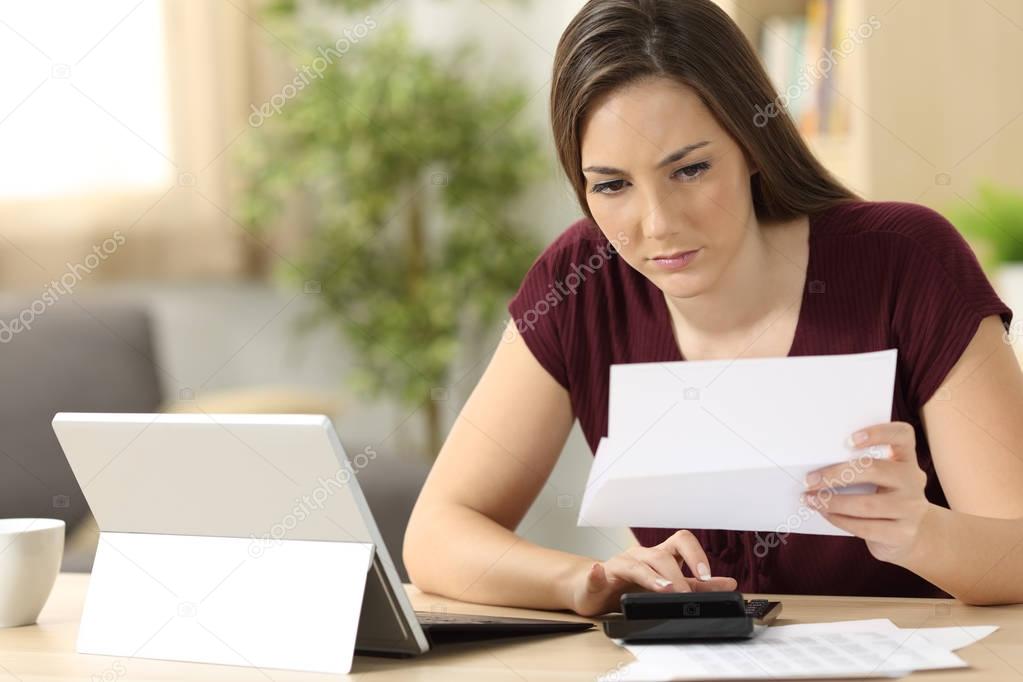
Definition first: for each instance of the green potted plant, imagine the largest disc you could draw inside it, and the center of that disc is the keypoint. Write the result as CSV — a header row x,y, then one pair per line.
x,y
409,172
994,221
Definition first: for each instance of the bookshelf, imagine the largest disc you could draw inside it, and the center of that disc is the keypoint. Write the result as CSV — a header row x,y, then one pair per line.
x,y
927,100
818,70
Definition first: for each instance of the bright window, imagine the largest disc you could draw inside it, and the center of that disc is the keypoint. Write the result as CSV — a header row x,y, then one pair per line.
x,y
83,107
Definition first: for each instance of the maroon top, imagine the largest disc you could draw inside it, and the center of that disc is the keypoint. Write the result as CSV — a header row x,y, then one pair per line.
x,y
880,275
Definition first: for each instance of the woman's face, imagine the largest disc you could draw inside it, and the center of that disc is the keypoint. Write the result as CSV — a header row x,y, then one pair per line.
x,y
662,177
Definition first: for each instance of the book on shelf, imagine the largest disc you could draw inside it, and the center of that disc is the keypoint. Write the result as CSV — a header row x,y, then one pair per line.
x,y
803,54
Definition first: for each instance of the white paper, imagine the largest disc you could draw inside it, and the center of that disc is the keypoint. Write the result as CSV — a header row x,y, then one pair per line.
x,y
950,638
726,444
882,625
854,648
826,654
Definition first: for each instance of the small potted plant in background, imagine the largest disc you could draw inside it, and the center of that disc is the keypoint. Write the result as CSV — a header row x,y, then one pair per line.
x,y
993,223
408,172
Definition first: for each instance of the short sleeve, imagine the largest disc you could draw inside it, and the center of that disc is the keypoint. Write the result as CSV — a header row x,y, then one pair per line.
x,y
537,309
941,295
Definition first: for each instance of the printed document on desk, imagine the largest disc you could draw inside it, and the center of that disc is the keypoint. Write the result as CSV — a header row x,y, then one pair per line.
x,y
842,649
726,444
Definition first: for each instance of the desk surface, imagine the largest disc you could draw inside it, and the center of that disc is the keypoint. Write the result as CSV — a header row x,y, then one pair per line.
x,y
46,651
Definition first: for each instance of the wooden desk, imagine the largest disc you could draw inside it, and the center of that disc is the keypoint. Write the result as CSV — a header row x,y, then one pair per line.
x,y
45,652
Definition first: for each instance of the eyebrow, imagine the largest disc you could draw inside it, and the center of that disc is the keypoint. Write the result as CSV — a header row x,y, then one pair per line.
x,y
676,155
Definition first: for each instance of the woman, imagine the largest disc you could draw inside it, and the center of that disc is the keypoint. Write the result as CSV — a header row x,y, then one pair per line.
x,y
712,232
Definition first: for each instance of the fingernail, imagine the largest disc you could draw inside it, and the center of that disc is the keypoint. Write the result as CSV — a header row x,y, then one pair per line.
x,y
662,582
857,437
703,570
812,478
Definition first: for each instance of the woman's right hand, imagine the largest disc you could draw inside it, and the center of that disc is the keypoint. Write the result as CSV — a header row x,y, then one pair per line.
x,y
651,569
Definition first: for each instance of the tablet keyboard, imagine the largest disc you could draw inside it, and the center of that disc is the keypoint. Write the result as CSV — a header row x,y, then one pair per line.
x,y
462,618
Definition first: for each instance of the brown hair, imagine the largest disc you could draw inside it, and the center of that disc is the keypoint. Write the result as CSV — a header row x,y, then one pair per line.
x,y
611,43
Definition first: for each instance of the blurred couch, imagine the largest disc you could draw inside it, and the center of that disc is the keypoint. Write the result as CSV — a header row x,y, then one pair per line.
x,y
100,357
72,356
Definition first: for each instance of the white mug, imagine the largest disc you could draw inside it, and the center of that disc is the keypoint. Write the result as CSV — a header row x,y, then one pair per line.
x,y
30,554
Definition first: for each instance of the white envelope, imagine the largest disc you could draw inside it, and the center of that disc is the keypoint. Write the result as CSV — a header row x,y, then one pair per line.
x,y
725,444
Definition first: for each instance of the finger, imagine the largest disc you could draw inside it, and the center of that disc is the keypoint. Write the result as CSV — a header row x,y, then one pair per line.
x,y
665,563
719,584
596,579
866,469
601,595
900,437
876,506
867,529
685,545
627,567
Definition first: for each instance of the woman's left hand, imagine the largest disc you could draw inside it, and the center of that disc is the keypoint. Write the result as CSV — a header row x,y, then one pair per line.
x,y
890,519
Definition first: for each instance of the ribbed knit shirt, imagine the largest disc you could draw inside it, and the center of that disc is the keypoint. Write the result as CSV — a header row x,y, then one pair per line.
x,y
880,275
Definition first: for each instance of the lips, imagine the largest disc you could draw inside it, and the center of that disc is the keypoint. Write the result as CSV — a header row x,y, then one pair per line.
x,y
676,261
677,254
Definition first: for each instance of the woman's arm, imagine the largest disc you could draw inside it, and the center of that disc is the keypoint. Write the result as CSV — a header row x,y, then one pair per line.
x,y
976,559
461,539
974,549
974,425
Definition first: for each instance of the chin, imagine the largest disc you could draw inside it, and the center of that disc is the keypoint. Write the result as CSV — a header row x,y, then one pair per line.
x,y
679,287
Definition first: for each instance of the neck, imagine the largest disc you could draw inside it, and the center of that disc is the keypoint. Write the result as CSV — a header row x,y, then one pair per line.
x,y
754,286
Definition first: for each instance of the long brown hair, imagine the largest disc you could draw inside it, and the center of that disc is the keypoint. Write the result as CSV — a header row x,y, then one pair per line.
x,y
611,43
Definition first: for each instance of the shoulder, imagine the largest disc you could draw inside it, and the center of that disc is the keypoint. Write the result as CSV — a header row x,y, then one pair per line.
x,y
578,241
571,282
561,294
906,237
898,224
895,218
929,286
580,254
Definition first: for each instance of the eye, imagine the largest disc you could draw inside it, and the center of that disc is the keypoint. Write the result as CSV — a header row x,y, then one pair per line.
x,y
687,173
692,172
614,185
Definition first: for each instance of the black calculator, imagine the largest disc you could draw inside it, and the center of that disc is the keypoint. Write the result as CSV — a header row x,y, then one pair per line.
x,y
686,616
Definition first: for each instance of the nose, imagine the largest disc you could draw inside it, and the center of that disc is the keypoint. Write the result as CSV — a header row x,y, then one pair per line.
x,y
659,220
